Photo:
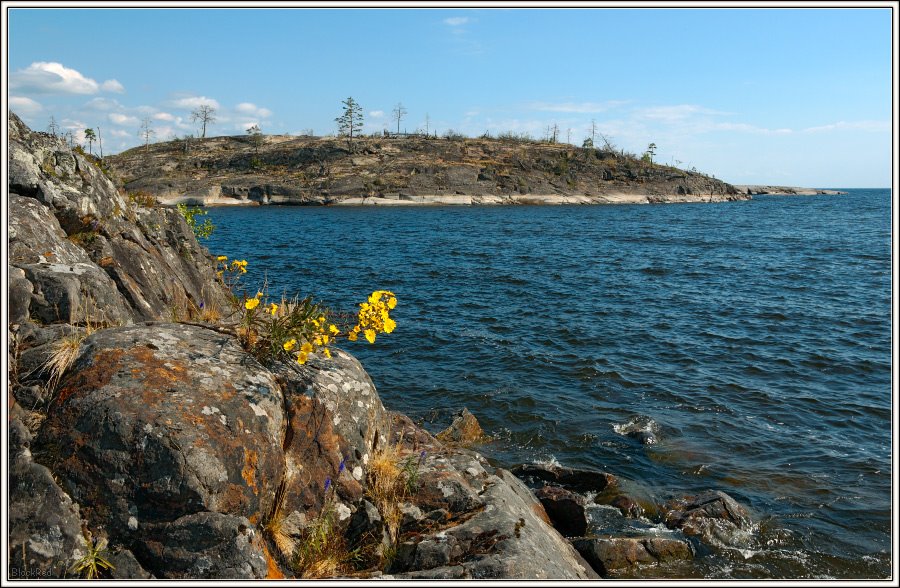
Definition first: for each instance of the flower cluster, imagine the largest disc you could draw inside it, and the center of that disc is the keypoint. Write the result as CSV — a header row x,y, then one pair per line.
x,y
230,273
315,335
374,316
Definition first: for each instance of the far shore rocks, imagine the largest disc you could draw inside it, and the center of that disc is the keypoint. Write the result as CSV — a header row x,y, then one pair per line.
x,y
752,190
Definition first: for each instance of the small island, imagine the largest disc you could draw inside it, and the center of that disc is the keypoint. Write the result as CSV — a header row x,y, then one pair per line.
x,y
403,170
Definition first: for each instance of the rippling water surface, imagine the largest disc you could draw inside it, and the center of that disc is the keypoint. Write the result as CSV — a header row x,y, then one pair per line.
x,y
754,336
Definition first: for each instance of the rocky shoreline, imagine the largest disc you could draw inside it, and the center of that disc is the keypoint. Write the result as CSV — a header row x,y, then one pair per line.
x,y
145,440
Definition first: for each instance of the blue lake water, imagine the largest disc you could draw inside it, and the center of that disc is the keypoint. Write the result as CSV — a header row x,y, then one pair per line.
x,y
754,337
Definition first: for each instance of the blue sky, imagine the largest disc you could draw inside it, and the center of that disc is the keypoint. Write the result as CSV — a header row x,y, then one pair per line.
x,y
786,96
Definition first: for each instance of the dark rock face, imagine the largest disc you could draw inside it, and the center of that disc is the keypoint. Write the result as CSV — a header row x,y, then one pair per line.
x,y
713,516
346,390
466,522
87,251
45,535
160,432
565,509
606,555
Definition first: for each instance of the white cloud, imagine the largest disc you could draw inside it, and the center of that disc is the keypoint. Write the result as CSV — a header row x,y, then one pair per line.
x,y
123,119
120,133
24,106
50,77
578,107
164,116
103,104
193,102
870,126
113,86
673,114
376,114
243,126
251,109
456,21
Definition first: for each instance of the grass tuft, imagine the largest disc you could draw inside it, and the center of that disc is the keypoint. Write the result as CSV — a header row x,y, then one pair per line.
x,y
94,562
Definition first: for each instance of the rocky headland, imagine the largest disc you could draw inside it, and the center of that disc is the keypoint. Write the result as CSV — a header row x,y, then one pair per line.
x,y
145,441
406,170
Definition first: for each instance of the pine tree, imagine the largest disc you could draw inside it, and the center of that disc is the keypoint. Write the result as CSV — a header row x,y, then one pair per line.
x,y
351,122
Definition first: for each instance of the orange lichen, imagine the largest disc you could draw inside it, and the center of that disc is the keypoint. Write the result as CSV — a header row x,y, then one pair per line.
x,y
249,470
95,376
273,571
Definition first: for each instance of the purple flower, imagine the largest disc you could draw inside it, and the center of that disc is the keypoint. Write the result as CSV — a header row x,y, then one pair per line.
x,y
327,484
342,466
201,304
422,456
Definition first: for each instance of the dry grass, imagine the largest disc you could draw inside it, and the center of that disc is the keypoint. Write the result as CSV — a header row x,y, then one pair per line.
x,y
63,354
387,487
283,541
322,549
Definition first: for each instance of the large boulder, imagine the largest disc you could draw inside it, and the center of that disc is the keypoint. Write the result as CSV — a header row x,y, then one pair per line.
x,y
170,437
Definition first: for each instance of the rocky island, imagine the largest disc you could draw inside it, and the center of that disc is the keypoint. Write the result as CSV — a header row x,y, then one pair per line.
x,y
402,170
145,441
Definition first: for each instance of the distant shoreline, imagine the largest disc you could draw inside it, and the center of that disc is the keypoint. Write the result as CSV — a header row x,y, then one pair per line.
x,y
758,189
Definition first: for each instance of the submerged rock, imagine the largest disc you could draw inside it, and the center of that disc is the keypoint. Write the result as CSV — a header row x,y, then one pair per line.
x,y
464,430
713,516
565,509
609,554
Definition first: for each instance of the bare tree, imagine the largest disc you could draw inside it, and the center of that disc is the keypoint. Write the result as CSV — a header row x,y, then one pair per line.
x,y
205,115
100,141
53,128
147,131
593,131
427,122
70,138
399,113
351,122
568,135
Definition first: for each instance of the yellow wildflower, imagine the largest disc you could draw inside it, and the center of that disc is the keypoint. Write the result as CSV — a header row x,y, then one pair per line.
x,y
370,335
389,325
273,308
327,353
251,303
392,302
352,335
325,339
302,357
222,258
306,348
334,330
288,345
